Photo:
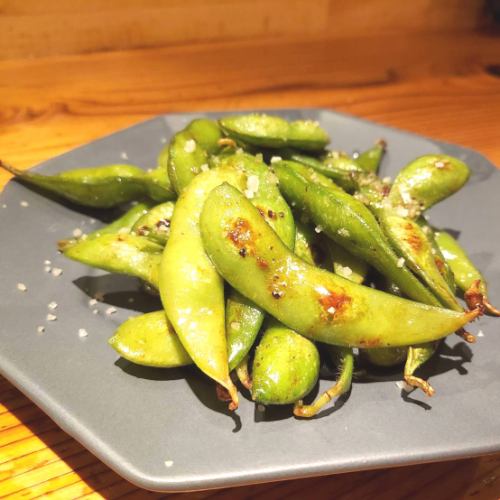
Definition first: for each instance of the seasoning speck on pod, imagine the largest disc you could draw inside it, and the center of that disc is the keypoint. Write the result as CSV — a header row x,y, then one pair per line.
x,y
21,287
110,310
92,302
169,463
190,146
40,329
52,305
51,317
401,262
77,233
82,332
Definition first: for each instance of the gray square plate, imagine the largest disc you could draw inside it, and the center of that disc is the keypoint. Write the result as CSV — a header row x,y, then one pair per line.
x,y
136,419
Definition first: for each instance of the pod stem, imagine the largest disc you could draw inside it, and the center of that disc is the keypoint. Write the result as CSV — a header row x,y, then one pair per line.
x,y
243,374
10,168
227,394
342,385
227,141
420,383
468,337
417,356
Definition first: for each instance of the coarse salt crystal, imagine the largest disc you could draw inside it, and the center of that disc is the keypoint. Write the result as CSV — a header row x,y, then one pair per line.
x,y
163,140
123,230
169,463
51,317
235,325
401,262
331,310
82,333
24,204
343,232
4,206
77,232
52,305
276,159
402,212
110,310
92,302
21,287
204,167
124,156
345,271
56,271
47,262
480,333
318,229
47,269
386,180
249,194
92,221
405,196
440,164
40,329
190,146
253,183
95,311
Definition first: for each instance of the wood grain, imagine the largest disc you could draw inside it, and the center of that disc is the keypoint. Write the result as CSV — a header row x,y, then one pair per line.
x,y
438,85
34,29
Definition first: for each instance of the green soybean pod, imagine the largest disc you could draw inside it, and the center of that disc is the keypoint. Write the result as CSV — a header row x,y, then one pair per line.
x,y
155,223
371,159
98,187
468,278
120,253
189,151
426,181
311,301
191,290
285,367
275,132
150,340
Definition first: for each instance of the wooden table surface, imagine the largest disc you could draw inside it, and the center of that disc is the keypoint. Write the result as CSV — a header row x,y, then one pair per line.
x,y
441,85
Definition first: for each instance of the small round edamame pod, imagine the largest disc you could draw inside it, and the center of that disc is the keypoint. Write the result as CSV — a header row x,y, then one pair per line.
x,y
468,278
155,223
189,151
150,340
120,253
344,359
371,159
351,225
386,357
285,367
275,132
121,225
309,300
426,181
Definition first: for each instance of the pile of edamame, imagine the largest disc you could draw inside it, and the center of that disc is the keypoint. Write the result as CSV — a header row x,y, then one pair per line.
x,y
267,249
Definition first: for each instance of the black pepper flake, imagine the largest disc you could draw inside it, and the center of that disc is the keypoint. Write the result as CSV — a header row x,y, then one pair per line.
x,y
243,252
277,294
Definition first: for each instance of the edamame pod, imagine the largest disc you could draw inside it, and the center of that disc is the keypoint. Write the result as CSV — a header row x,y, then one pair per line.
x,y
311,301
304,242
120,253
285,367
191,290
189,151
426,181
150,340
157,180
155,223
386,357
468,278
243,322
370,159
339,167
411,242
275,132
351,225
121,225
98,187
344,359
